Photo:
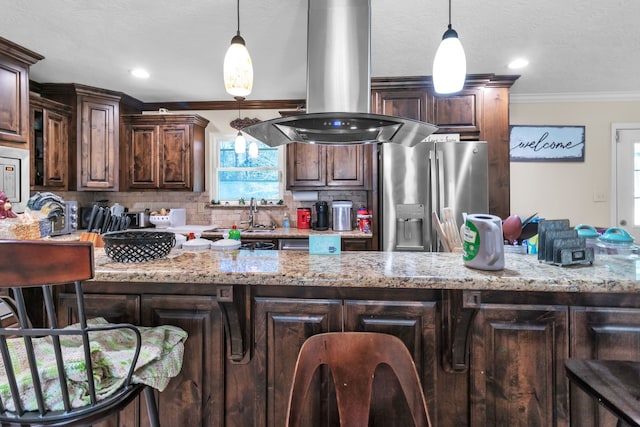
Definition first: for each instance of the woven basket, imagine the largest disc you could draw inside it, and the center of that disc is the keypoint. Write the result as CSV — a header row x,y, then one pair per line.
x,y
138,246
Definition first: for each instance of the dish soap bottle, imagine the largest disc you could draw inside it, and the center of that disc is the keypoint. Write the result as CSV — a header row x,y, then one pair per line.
x,y
285,220
234,233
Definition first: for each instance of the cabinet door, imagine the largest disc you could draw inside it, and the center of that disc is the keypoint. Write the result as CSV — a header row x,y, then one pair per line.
x,y
196,396
345,166
143,156
306,165
409,103
459,113
55,150
14,101
98,145
281,326
517,366
415,324
113,307
175,155
607,334
356,244
116,309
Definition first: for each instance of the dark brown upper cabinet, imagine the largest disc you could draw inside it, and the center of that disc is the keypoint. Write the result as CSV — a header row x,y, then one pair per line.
x,y
15,61
164,151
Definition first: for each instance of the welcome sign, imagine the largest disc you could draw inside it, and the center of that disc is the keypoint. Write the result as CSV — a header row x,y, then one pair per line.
x,y
546,143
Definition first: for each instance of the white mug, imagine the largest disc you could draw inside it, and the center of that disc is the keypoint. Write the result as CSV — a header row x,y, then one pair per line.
x,y
117,210
482,242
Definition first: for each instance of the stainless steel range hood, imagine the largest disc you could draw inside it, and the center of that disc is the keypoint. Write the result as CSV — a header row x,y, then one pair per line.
x,y
338,86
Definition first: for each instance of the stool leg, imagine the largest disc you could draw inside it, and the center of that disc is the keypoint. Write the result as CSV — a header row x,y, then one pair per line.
x,y
152,409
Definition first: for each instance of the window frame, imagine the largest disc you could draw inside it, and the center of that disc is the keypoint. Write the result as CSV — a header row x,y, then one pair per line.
x,y
216,139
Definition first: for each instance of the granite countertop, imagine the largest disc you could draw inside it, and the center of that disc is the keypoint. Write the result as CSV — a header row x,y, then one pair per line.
x,y
204,230
409,270
291,233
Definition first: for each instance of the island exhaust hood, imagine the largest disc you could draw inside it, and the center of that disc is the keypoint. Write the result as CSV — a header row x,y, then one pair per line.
x,y
338,86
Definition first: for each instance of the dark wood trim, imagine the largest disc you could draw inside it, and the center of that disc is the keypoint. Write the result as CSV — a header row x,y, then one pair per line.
x,y
459,308
235,303
18,53
295,105
472,80
277,104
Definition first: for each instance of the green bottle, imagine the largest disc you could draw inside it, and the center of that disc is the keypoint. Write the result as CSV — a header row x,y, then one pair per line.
x,y
234,233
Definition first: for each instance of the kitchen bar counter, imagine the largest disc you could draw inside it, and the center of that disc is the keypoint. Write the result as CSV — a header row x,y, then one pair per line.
x,y
489,346
409,270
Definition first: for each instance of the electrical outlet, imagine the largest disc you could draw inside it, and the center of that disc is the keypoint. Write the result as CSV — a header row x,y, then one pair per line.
x,y
599,196
200,207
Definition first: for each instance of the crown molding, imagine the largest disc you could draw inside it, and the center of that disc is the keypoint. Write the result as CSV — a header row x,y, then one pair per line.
x,y
537,98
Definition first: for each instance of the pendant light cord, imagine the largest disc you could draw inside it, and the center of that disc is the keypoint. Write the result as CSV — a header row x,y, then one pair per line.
x,y
449,16
238,11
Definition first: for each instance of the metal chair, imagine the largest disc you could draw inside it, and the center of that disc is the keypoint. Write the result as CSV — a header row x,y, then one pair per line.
x,y
45,264
352,358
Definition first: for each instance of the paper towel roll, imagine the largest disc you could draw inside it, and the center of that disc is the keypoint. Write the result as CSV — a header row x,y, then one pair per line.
x,y
305,196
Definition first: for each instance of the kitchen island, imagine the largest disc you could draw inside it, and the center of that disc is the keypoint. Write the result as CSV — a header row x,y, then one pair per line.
x,y
489,346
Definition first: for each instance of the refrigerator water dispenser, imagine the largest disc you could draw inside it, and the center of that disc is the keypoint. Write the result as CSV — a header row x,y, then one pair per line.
x,y
410,227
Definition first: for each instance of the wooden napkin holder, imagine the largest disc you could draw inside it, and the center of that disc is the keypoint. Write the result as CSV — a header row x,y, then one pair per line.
x,y
95,238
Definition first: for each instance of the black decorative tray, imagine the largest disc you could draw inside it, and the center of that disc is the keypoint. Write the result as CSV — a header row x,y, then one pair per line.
x,y
138,246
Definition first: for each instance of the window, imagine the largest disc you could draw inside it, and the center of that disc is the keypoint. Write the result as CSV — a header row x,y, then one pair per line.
x,y
238,176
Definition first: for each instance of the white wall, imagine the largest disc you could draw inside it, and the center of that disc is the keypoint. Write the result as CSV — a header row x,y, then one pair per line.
x,y
566,189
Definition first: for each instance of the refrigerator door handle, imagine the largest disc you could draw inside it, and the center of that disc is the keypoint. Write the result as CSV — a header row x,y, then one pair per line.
x,y
440,182
435,178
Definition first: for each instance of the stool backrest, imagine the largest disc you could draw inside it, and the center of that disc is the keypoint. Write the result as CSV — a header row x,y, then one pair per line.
x,y
352,358
44,264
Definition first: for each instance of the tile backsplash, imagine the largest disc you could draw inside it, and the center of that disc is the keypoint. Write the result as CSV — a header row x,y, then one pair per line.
x,y
199,208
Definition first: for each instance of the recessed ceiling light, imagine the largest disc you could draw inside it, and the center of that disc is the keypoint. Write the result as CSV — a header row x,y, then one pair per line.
x,y
518,63
140,73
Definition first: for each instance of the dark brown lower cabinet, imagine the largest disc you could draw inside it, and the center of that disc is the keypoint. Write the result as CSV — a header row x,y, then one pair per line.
x,y
414,322
281,325
114,308
195,397
515,375
517,371
356,244
605,333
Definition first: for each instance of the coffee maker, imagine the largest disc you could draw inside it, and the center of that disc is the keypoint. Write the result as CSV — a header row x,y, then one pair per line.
x,y
322,216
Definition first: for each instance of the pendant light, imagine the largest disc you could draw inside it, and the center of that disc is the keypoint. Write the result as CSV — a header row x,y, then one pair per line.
x,y
449,65
240,145
253,149
238,69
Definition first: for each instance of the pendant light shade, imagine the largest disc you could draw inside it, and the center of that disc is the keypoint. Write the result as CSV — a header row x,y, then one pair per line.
x,y
238,69
450,64
240,145
253,150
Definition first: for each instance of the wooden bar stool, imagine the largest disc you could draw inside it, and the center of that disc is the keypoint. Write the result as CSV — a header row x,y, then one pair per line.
x,y
614,383
352,358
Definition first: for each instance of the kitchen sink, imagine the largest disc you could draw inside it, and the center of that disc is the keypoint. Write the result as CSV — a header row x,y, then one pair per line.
x,y
217,230
242,231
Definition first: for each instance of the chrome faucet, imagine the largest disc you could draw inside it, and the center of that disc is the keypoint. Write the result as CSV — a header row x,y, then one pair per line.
x,y
253,211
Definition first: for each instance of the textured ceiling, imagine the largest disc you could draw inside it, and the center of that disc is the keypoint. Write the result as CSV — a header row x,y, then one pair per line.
x,y
574,46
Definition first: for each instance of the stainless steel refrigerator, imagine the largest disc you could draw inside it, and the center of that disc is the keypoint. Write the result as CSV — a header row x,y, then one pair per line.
x,y
428,177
